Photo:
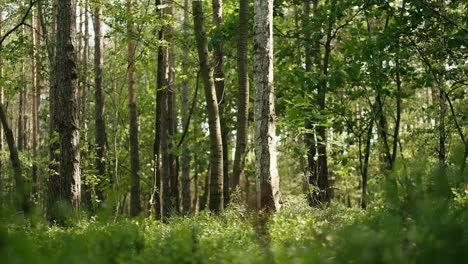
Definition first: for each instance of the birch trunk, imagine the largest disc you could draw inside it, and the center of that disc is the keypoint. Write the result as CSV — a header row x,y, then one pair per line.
x,y
268,192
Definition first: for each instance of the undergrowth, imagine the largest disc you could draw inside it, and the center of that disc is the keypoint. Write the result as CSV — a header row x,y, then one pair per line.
x,y
424,227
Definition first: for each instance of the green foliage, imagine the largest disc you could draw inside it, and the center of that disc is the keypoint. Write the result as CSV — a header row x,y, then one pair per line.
x,y
424,227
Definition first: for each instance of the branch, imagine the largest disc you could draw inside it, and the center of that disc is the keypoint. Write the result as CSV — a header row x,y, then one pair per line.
x,y
23,20
194,102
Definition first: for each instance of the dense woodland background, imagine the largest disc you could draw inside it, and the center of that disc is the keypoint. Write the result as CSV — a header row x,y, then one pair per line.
x,y
182,131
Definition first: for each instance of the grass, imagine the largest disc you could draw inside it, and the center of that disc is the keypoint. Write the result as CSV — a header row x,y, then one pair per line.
x,y
423,227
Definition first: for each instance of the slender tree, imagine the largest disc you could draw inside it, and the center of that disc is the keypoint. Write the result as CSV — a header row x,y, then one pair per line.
x,y
186,194
218,75
242,95
161,78
1,103
172,112
216,199
135,206
36,99
268,192
100,121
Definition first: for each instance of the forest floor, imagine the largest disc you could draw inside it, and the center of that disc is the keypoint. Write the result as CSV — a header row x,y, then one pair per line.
x,y
424,230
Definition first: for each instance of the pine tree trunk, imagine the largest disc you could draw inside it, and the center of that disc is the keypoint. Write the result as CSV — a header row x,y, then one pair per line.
x,y
67,105
216,200
268,192
242,96
100,125
135,206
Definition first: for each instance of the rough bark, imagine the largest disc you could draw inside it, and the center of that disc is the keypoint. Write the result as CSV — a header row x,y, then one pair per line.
x,y
135,206
216,200
242,96
67,105
100,121
268,192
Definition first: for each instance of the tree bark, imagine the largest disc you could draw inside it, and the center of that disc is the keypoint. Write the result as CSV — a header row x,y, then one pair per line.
x,y
242,96
135,206
1,103
86,187
100,121
365,165
35,103
67,105
161,80
54,182
186,193
268,192
21,192
216,203
218,75
172,115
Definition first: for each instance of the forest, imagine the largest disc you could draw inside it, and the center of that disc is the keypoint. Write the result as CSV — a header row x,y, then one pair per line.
x,y
233,131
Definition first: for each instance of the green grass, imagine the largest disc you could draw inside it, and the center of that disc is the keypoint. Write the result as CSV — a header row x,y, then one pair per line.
x,y
422,226
432,232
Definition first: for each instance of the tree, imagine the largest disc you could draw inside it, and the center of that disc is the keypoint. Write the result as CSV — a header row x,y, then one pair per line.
x,y
185,160
268,192
100,122
67,185
1,102
135,206
216,199
218,75
242,95
36,100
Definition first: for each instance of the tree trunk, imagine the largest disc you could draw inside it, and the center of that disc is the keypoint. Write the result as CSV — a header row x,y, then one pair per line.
x,y
35,103
216,203
186,194
218,70
86,187
268,192
310,135
157,156
242,96
171,115
365,165
135,206
100,125
1,103
21,193
67,105
54,182
21,107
